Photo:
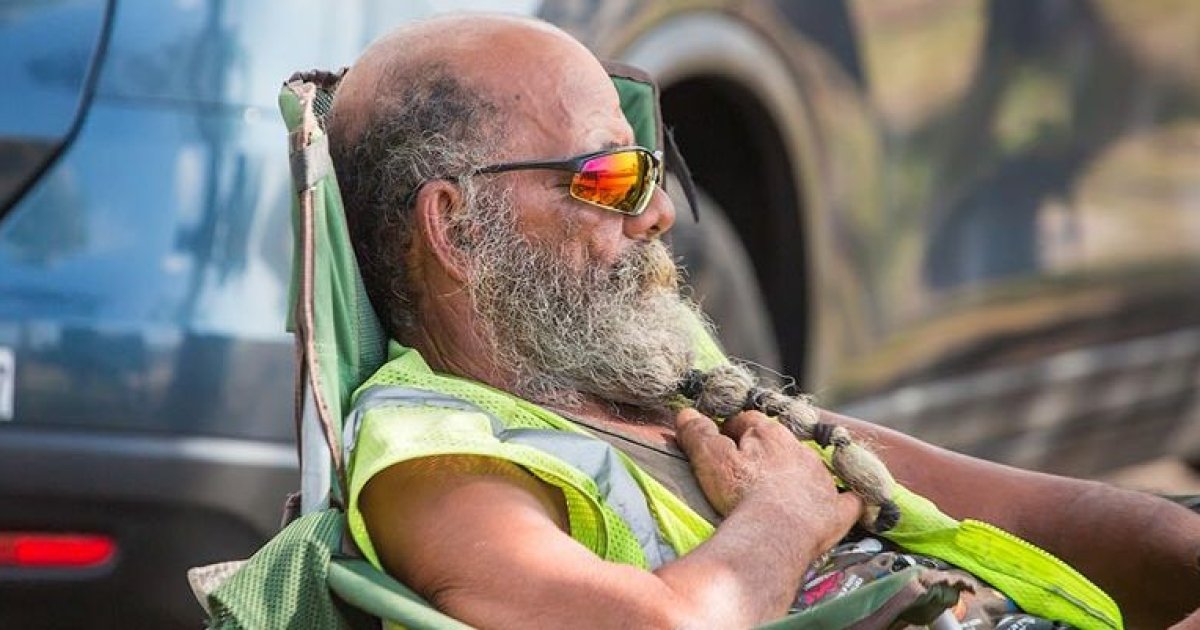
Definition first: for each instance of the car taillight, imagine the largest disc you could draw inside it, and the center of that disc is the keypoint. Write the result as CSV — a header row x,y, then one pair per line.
x,y
44,550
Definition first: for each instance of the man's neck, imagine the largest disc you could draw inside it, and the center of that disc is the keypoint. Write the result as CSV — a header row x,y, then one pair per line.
x,y
452,344
651,425
448,333
449,355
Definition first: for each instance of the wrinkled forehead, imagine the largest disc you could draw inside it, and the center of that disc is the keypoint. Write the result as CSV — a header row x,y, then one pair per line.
x,y
557,100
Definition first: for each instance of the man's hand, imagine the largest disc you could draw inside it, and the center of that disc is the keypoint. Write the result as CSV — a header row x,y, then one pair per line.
x,y
752,459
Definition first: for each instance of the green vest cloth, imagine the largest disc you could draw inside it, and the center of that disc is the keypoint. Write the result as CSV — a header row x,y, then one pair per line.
x,y
387,434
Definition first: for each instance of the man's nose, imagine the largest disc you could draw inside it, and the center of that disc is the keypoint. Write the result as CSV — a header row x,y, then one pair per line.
x,y
658,217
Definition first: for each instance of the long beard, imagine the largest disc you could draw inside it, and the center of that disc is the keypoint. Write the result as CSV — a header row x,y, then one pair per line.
x,y
623,333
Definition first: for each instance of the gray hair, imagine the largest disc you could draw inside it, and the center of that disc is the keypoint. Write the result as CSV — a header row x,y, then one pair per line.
x,y
426,124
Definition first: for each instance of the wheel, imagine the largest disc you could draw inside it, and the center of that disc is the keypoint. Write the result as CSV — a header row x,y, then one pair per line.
x,y
721,274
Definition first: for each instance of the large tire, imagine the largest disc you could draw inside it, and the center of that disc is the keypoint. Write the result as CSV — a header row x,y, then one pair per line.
x,y
721,274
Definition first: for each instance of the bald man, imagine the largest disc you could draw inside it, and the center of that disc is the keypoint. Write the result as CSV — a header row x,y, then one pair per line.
x,y
527,305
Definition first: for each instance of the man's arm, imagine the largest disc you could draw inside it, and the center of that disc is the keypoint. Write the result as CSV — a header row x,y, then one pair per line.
x,y
486,542
1142,550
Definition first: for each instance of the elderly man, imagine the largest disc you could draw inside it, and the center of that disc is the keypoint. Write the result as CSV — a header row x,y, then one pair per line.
x,y
531,301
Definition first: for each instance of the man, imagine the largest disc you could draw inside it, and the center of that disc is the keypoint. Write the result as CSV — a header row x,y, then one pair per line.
x,y
531,302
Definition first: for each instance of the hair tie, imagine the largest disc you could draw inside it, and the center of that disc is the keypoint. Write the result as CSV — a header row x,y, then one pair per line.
x,y
754,399
692,384
822,433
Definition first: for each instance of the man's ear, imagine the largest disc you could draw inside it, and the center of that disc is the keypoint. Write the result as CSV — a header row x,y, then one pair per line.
x,y
434,205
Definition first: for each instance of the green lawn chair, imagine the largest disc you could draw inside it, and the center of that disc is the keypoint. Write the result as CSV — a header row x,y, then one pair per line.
x,y
309,575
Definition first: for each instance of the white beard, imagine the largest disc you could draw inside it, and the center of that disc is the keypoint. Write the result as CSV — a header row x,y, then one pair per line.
x,y
622,333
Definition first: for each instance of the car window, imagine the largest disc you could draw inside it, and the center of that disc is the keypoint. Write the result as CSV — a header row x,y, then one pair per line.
x,y
48,47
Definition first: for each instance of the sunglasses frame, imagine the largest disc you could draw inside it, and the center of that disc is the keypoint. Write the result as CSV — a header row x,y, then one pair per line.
x,y
575,165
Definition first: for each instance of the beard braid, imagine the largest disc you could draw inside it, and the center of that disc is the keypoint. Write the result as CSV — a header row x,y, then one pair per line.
x,y
621,332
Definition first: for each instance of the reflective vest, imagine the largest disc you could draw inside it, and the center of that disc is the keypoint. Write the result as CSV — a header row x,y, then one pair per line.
x,y
624,515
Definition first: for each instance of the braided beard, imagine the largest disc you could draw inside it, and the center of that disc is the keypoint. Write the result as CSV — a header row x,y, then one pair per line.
x,y
622,333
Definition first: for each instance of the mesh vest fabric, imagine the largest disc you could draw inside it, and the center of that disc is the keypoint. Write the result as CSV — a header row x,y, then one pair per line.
x,y
1038,582
391,435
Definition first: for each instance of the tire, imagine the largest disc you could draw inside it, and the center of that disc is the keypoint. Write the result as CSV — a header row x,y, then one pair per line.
x,y
723,280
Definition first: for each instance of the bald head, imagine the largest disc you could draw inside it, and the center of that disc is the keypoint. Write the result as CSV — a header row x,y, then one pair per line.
x,y
510,61
435,99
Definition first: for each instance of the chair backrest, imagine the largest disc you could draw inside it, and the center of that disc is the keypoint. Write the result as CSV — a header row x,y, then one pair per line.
x,y
339,340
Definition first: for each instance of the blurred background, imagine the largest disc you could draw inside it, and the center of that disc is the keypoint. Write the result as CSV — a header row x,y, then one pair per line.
x,y
977,221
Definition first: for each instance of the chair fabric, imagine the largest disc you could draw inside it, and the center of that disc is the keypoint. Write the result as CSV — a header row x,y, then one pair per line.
x,y
284,584
301,579
340,341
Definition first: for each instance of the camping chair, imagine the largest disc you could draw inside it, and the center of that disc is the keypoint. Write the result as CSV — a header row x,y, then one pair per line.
x,y
309,574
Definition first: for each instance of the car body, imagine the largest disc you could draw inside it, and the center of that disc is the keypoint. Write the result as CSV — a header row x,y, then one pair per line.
x,y
976,221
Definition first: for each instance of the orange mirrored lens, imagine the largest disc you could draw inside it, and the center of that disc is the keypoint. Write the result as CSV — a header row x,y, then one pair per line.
x,y
617,181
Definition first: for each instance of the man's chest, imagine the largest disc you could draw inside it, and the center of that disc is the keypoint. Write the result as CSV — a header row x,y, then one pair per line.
x,y
653,448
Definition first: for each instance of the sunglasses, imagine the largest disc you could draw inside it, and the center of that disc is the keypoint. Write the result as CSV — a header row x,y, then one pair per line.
x,y
621,179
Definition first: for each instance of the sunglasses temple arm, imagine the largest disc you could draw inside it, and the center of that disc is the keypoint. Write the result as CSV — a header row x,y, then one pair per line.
x,y
521,166
674,162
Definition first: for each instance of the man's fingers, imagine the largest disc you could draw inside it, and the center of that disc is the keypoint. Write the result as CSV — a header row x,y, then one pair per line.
x,y
740,424
695,432
848,507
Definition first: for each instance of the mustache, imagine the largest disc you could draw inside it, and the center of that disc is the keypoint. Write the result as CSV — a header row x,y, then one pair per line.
x,y
647,265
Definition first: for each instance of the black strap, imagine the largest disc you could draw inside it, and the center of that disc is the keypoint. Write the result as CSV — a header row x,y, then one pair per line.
x,y
676,164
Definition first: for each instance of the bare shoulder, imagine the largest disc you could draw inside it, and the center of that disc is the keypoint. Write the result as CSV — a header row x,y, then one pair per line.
x,y
423,514
408,505
463,531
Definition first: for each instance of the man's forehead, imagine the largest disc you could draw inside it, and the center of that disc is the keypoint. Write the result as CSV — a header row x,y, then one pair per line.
x,y
552,94
555,97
